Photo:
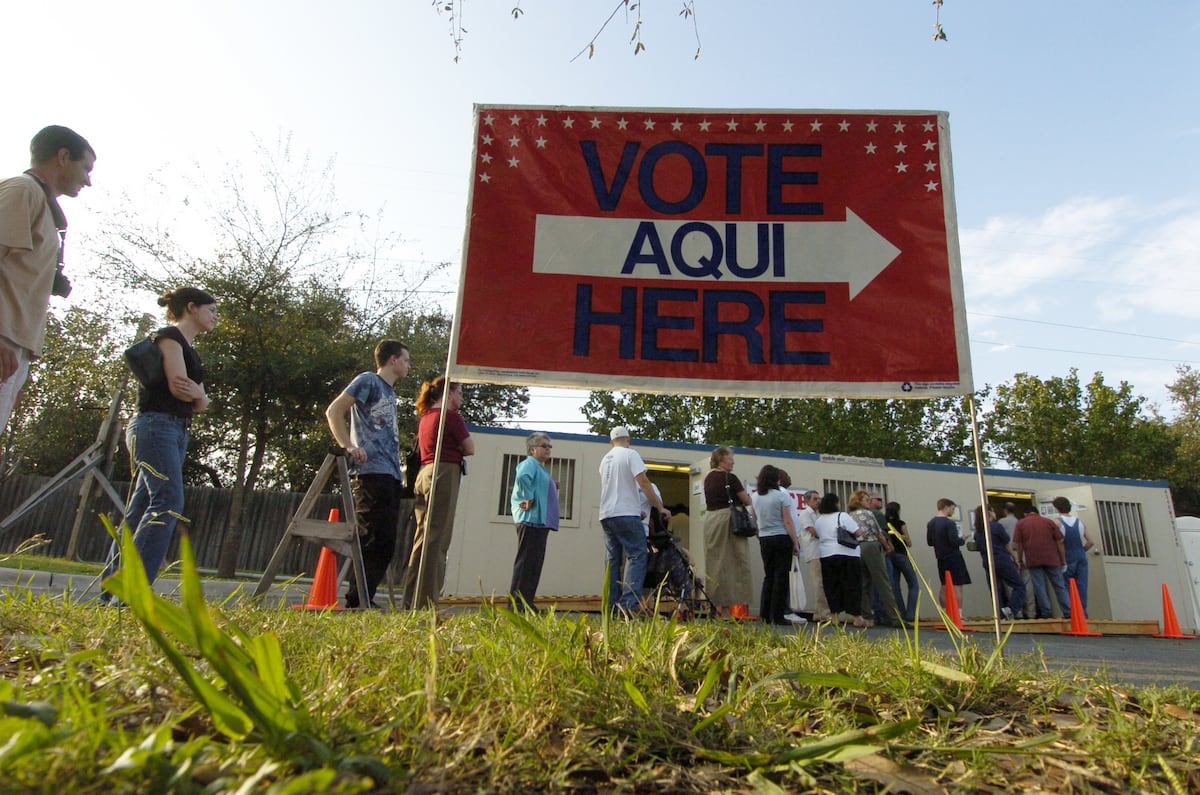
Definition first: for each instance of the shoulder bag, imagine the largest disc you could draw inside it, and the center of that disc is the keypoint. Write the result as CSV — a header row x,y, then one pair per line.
x,y
741,523
145,359
844,536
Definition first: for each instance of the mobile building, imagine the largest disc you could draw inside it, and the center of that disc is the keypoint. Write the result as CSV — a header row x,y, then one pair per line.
x,y
1132,520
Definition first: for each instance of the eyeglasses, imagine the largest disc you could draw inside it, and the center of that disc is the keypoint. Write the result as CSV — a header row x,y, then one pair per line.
x,y
546,446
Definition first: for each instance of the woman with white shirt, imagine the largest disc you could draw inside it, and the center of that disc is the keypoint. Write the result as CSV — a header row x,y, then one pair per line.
x,y
840,565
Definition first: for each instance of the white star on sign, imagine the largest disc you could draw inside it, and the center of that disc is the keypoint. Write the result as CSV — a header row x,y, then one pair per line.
x,y
927,126
929,146
871,125
901,147
485,157
541,142
484,177
787,126
513,162
595,123
676,125
930,165
816,126
704,125
870,149
514,141
622,124
899,126
568,122
487,140
732,125
901,168
843,125
488,119
541,120
930,186
514,120
760,125
648,124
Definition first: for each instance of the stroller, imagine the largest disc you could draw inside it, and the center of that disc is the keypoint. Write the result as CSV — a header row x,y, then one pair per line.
x,y
669,574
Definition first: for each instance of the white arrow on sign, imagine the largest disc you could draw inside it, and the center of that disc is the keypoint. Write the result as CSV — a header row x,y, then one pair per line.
x,y
849,251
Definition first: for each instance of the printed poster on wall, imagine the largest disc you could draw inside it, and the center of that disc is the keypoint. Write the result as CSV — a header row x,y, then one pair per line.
x,y
751,253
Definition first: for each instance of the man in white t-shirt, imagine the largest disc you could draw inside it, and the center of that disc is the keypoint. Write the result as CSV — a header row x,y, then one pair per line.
x,y
623,480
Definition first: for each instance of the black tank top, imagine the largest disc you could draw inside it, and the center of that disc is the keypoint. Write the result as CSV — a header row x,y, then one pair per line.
x,y
158,398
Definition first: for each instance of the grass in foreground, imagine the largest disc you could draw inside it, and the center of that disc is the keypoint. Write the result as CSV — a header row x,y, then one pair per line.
x,y
163,696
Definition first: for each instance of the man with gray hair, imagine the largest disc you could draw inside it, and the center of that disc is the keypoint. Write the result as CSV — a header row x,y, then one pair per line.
x,y
534,505
32,231
622,475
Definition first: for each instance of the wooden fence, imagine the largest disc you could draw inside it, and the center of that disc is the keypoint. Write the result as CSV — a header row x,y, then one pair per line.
x,y
207,509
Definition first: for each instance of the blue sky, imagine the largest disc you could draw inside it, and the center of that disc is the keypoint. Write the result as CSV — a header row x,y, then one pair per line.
x,y
1074,129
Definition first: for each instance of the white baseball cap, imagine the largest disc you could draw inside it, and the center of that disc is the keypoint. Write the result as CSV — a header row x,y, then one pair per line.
x,y
619,432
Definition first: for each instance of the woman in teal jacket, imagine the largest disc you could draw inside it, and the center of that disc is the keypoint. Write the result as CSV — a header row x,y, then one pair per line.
x,y
535,510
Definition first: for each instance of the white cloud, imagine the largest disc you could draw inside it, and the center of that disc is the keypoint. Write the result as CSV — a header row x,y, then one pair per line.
x,y
1036,257
1164,264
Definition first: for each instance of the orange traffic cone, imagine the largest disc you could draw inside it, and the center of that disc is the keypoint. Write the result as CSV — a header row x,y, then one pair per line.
x,y
323,595
1170,622
952,607
1079,624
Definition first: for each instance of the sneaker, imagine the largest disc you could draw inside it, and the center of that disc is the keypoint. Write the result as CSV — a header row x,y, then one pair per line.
x,y
1007,613
794,619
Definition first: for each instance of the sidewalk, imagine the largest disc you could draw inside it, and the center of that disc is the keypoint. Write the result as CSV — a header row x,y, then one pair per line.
x,y
83,588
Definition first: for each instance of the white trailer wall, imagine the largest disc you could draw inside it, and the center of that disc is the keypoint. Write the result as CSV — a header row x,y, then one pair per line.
x,y
1126,582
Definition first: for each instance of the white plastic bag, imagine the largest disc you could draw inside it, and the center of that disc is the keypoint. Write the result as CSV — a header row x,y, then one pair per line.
x,y
797,600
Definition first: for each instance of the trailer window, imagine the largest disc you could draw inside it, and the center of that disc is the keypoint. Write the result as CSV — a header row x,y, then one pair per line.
x,y
1121,530
844,488
562,471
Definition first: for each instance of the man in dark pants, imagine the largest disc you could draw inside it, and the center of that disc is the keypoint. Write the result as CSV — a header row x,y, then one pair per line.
x,y
372,444
1039,544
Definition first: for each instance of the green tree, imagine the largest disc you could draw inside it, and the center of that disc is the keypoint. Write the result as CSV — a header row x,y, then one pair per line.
x,y
935,431
1060,425
289,336
69,391
1185,472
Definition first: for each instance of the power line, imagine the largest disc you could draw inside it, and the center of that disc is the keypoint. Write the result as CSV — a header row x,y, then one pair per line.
x,y
1084,353
1085,328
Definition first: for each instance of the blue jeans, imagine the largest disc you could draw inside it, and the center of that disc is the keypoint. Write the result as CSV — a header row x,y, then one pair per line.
x,y
625,550
157,445
902,567
1077,569
1039,575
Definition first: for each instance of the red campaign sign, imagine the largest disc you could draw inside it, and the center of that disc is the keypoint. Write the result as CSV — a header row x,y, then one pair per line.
x,y
730,252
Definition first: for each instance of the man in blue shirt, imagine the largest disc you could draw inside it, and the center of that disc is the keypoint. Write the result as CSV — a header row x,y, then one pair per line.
x,y
372,444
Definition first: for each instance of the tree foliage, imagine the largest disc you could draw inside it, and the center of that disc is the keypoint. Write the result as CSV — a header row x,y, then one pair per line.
x,y
1060,425
69,391
935,431
1185,430
290,335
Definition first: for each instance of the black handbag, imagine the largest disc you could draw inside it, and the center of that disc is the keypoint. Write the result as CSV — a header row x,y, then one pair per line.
x,y
741,523
845,537
145,359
